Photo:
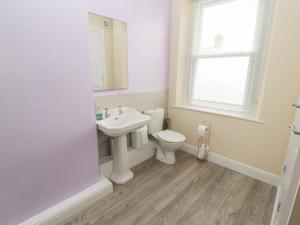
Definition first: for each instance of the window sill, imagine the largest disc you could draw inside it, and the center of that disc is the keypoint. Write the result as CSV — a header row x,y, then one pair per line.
x,y
210,111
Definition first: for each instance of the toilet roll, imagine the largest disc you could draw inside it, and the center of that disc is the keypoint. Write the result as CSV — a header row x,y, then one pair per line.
x,y
203,152
202,130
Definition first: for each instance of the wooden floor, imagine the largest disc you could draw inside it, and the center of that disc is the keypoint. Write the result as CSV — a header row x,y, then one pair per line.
x,y
187,193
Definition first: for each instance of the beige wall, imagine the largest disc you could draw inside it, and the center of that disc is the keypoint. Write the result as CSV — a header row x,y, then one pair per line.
x,y
262,145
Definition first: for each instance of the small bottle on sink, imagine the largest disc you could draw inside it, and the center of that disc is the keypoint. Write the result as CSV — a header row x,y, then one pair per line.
x,y
99,114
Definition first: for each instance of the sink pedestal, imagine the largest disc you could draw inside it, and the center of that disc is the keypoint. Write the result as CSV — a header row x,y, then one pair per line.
x,y
121,172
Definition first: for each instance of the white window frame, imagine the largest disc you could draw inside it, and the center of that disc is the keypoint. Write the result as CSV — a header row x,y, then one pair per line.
x,y
255,68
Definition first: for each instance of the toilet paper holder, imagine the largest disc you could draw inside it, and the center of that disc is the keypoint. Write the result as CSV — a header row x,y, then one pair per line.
x,y
203,140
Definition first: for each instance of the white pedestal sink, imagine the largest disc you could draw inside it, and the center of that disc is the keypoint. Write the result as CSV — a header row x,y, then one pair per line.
x,y
118,126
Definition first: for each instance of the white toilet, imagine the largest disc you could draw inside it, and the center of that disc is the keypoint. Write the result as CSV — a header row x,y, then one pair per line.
x,y
167,141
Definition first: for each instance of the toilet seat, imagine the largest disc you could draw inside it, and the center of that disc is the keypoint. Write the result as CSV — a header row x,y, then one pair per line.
x,y
170,136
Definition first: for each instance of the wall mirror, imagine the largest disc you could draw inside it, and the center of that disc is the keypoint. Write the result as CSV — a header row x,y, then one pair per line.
x,y
109,53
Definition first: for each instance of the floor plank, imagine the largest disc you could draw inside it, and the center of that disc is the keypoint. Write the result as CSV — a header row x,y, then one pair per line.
x,y
163,195
205,206
228,209
145,191
168,192
188,193
252,211
269,208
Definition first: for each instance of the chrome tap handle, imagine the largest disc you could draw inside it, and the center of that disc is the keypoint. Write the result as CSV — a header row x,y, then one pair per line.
x,y
297,106
106,113
120,110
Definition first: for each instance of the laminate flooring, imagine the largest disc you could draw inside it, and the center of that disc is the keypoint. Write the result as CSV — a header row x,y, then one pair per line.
x,y
190,192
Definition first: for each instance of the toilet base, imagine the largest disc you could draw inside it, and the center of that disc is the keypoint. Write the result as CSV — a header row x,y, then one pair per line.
x,y
165,156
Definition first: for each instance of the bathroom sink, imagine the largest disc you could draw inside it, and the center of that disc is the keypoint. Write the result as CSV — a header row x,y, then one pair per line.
x,y
118,125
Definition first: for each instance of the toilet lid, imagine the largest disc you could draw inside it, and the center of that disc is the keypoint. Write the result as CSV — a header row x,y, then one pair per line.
x,y
170,136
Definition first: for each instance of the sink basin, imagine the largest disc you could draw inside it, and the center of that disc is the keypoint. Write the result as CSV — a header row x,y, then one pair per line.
x,y
117,125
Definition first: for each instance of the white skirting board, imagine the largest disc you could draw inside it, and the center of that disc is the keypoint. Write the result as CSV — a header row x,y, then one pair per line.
x,y
245,169
135,157
73,205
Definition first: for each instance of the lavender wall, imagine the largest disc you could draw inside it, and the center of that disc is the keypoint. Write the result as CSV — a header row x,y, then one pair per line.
x,y
47,130
148,40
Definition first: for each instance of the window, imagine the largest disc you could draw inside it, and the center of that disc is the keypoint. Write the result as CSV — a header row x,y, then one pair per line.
x,y
226,54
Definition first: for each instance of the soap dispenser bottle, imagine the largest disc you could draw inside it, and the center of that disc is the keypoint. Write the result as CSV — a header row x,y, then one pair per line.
x,y
99,114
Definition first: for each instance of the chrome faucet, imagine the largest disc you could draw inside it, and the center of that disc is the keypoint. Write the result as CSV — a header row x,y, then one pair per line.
x,y
120,110
106,113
